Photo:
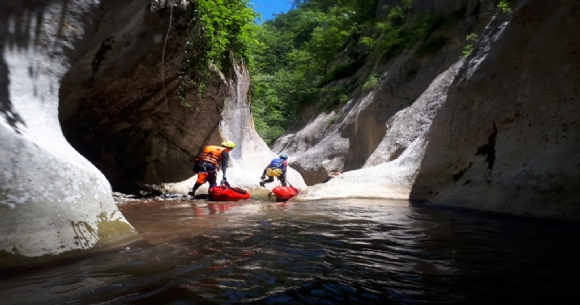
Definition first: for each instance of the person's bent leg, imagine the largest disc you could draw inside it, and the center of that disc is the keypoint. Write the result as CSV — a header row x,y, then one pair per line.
x,y
201,179
270,179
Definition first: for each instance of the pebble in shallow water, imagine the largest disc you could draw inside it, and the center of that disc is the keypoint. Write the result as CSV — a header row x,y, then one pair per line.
x,y
121,198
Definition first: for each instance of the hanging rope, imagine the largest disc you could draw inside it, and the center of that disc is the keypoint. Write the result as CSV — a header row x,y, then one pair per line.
x,y
163,55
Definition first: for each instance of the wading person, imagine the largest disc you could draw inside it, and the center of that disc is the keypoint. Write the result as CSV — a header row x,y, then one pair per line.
x,y
276,168
209,162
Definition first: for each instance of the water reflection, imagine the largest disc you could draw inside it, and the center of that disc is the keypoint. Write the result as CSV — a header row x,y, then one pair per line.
x,y
324,252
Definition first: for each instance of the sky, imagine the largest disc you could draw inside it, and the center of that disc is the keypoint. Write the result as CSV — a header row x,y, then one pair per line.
x,y
269,7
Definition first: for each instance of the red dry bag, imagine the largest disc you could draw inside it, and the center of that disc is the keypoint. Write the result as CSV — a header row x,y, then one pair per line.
x,y
227,193
283,193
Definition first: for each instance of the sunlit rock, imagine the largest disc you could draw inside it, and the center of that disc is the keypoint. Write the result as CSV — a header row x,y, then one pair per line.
x,y
391,170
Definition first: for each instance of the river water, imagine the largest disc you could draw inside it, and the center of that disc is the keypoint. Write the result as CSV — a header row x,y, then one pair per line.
x,y
323,252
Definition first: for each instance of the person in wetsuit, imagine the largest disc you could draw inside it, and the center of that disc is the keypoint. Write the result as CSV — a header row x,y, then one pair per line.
x,y
276,168
209,162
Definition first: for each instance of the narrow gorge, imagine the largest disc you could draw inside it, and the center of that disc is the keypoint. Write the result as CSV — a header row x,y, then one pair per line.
x,y
482,114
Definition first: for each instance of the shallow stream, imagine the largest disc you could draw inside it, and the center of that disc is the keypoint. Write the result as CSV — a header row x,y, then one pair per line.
x,y
323,252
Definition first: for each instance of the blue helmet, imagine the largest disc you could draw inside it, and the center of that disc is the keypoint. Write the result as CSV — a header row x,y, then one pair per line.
x,y
284,156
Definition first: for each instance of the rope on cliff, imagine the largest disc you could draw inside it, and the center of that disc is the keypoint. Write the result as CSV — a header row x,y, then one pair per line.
x,y
163,55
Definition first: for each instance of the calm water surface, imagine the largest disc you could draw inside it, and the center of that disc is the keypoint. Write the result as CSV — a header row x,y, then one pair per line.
x,y
323,252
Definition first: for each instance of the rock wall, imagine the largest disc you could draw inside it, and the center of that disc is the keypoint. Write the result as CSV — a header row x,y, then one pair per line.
x,y
251,154
507,137
494,131
119,105
53,202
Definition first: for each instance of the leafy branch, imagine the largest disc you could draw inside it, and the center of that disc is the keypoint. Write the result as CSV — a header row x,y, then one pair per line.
x,y
222,31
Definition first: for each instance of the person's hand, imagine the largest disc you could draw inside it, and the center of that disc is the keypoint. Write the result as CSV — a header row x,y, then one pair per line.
x,y
224,178
263,177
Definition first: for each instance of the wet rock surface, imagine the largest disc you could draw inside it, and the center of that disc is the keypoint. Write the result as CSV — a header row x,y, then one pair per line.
x,y
121,198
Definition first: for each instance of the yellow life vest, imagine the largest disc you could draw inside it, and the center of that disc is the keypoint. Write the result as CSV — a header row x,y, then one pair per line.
x,y
274,172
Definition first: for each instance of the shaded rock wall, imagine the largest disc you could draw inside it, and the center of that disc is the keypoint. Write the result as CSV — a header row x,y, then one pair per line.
x,y
120,107
53,202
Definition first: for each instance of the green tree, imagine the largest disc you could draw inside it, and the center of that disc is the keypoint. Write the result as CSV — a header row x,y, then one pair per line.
x,y
306,51
221,31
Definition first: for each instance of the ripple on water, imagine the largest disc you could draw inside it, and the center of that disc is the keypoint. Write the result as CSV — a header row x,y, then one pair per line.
x,y
324,252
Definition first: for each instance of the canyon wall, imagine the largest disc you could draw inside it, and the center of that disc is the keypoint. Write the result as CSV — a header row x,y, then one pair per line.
x,y
507,137
495,130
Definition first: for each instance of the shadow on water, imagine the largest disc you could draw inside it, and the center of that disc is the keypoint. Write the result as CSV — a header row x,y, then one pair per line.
x,y
323,252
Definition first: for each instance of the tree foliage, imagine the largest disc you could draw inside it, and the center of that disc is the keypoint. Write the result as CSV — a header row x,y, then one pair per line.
x,y
298,58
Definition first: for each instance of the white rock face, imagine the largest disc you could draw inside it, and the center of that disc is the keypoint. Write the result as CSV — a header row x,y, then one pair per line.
x,y
316,149
381,177
252,154
52,200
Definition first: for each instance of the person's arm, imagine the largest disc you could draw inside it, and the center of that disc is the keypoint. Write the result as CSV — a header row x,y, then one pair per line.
x,y
224,165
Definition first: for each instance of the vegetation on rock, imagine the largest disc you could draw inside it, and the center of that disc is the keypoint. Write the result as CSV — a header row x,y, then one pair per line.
x,y
222,31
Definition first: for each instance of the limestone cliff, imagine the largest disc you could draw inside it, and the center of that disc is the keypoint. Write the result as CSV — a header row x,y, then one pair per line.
x,y
496,130
53,202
